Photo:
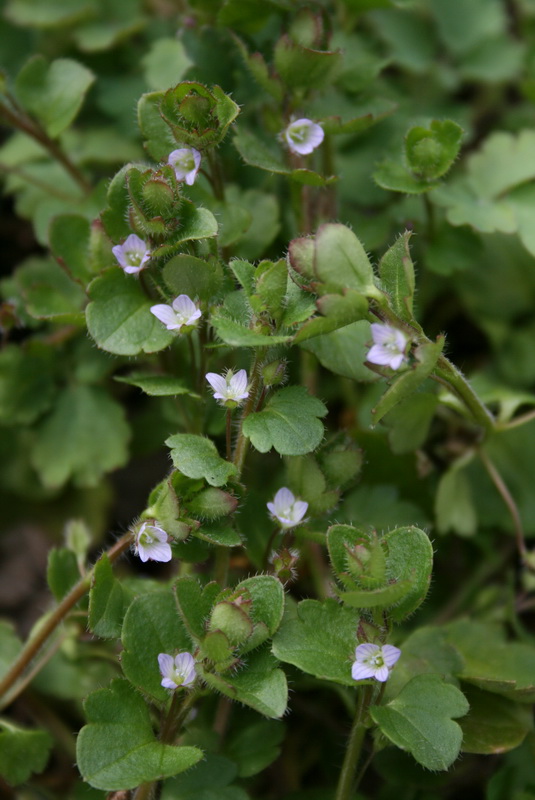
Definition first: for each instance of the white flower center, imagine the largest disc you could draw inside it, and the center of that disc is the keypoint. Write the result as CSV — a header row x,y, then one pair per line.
x,y
134,258
376,661
186,162
177,677
299,135
146,539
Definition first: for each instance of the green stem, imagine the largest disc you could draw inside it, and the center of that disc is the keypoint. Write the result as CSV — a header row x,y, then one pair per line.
x,y
242,444
229,434
456,380
18,119
173,722
34,644
509,501
344,790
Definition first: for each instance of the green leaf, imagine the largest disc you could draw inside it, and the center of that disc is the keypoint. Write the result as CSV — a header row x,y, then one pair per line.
x,y
300,67
494,194
109,599
409,557
117,749
27,386
10,647
344,351
48,292
454,507
54,92
69,236
119,317
256,153
195,603
165,63
493,724
492,663
158,139
469,23
430,152
208,781
289,423
267,595
384,597
85,436
426,356
62,571
337,310
409,422
397,275
396,177
197,457
259,684
420,720
238,335
199,279
256,746
319,638
427,650
22,752
152,625
35,14
156,385
340,260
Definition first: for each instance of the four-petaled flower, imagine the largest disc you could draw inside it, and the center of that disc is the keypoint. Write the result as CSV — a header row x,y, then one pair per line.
x,y
229,389
181,312
388,346
132,254
185,162
286,509
178,671
151,544
373,661
303,136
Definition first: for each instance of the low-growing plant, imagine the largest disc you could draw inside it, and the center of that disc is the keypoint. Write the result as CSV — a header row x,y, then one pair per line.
x,y
241,422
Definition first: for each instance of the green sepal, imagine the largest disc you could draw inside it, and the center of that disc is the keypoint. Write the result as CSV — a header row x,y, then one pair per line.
x,y
196,115
259,685
302,68
397,275
195,603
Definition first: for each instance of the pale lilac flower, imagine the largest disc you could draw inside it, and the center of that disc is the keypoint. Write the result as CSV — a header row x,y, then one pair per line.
x,y
178,671
388,346
288,511
132,254
151,544
181,312
229,389
185,162
373,661
303,136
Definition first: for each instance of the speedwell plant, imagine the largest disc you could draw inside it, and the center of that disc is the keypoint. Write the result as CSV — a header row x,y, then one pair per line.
x,y
247,441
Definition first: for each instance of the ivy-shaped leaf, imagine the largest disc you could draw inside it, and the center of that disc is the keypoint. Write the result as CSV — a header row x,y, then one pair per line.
x,y
289,423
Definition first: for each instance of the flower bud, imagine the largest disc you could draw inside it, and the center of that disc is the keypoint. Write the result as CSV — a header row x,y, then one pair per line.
x,y
232,619
274,373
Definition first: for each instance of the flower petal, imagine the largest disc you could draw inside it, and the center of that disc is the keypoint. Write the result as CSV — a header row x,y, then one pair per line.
x,y
283,499
167,683
381,674
166,663
390,654
366,650
160,552
217,382
166,315
360,672
299,510
238,382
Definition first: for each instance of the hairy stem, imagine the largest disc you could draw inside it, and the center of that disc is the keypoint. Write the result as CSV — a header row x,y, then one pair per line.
x,y
509,501
242,443
344,789
460,386
48,627
18,119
